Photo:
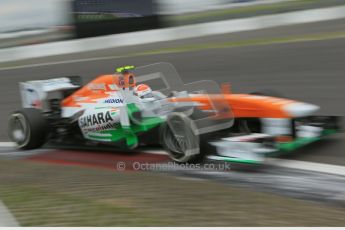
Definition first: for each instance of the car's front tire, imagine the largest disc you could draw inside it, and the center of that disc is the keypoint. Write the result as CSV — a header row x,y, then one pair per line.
x,y
178,138
28,128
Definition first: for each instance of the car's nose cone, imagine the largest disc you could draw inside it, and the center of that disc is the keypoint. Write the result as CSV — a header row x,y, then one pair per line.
x,y
301,109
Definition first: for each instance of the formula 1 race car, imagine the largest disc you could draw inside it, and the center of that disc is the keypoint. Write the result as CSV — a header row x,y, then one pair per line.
x,y
151,105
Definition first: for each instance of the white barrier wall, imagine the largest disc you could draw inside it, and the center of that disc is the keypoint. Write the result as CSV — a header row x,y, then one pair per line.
x,y
169,34
16,15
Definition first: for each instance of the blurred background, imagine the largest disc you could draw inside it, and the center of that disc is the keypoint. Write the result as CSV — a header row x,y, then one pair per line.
x,y
38,21
296,47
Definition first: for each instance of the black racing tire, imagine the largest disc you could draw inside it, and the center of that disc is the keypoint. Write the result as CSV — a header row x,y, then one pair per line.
x,y
179,140
28,128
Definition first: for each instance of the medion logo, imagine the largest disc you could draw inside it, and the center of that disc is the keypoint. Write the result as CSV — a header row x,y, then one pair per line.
x,y
95,119
115,101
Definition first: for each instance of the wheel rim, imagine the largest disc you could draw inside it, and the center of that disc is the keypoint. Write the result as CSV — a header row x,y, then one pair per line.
x,y
19,130
174,145
177,140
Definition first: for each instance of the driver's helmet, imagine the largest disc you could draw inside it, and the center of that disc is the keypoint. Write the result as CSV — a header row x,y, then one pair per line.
x,y
143,91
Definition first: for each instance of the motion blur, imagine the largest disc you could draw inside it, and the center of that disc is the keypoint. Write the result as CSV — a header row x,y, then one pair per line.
x,y
172,113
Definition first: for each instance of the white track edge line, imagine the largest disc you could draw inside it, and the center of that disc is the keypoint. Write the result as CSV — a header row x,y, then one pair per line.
x,y
8,144
7,219
292,164
307,166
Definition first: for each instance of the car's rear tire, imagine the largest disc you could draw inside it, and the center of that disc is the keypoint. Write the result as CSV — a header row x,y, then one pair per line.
x,y
28,128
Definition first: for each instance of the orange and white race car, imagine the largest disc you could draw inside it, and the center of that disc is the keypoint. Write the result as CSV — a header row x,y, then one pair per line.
x,y
151,105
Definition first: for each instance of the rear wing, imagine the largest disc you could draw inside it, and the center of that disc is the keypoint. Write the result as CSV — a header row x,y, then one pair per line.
x,y
37,94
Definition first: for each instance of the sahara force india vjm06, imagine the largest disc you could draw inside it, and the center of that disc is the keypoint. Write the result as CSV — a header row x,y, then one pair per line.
x,y
151,105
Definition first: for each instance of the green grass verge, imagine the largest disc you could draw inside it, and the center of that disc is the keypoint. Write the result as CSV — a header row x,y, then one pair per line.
x,y
53,195
35,206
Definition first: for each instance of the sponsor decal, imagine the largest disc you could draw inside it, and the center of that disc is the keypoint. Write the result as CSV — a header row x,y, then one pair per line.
x,y
95,119
96,86
114,101
101,127
55,81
